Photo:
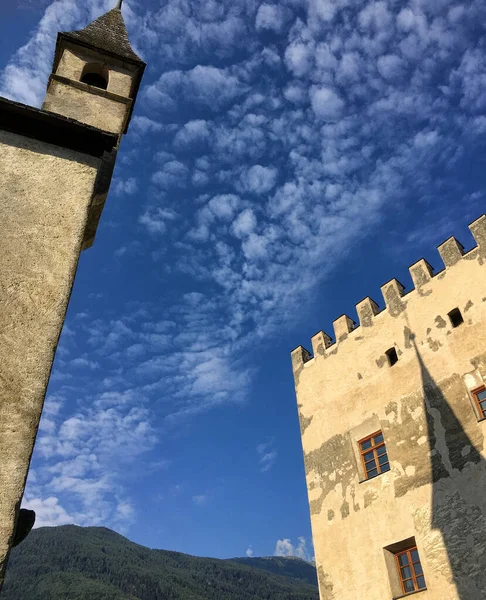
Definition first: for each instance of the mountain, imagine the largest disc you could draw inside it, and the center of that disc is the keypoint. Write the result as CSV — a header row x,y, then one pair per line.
x,y
283,565
95,563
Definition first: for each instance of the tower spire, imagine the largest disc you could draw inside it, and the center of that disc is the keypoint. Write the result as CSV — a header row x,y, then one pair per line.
x,y
119,4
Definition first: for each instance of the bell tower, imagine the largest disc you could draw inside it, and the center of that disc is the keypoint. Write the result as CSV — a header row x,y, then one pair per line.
x,y
96,74
56,165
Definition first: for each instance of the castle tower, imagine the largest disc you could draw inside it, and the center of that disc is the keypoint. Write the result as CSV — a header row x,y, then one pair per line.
x,y
56,165
393,423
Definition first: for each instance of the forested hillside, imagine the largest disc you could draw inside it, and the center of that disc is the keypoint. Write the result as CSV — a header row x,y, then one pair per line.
x,y
281,565
93,563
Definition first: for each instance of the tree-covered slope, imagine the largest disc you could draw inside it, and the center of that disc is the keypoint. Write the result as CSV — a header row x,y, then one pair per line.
x,y
288,566
93,563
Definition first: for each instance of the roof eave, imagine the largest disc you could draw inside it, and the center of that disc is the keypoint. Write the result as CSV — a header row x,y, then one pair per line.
x,y
80,42
55,129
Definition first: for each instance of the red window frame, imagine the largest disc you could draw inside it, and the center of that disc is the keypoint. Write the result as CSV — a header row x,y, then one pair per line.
x,y
373,448
415,578
482,411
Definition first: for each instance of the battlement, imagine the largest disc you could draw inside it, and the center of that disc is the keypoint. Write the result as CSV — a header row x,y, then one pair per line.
x,y
451,252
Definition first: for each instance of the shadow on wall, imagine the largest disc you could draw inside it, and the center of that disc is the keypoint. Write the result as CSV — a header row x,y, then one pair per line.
x,y
458,491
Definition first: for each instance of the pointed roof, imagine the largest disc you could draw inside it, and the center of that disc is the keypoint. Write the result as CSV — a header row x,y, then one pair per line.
x,y
107,33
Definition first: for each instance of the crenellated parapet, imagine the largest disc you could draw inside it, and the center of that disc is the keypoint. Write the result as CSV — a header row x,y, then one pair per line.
x,y
395,299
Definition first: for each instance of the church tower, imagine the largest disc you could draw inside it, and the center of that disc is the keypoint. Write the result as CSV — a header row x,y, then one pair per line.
x,y
95,80
56,165
96,75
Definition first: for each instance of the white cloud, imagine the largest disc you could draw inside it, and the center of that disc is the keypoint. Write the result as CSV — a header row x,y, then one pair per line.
x,y
405,19
471,77
48,511
143,125
224,206
84,363
172,174
193,132
267,460
125,187
156,220
375,16
204,85
255,247
299,58
424,139
267,456
259,179
271,17
245,223
295,93
25,76
326,103
249,552
390,66
350,67
200,499
284,547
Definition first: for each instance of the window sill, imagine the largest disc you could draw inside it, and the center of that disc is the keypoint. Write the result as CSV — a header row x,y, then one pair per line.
x,y
409,594
374,478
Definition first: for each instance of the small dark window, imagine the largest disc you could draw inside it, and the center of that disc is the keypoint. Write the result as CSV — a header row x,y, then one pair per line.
x,y
96,75
95,80
455,317
374,455
410,570
480,397
392,356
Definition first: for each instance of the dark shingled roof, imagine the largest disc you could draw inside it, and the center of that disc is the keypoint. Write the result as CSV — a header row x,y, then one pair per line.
x,y
108,33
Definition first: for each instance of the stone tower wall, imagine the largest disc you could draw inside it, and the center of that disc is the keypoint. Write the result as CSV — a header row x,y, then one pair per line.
x,y
67,95
56,166
436,488
45,196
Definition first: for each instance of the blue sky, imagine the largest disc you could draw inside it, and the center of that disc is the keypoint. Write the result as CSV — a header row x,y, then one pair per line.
x,y
283,162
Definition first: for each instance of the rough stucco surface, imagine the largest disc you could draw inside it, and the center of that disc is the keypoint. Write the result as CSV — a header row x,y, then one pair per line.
x,y
45,193
101,112
120,75
107,110
436,489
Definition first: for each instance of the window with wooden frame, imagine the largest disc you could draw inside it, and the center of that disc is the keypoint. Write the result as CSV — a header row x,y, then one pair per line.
x,y
479,396
410,570
374,455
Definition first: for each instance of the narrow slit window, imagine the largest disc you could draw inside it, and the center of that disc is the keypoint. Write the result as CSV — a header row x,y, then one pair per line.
x,y
374,455
392,356
455,317
410,570
480,397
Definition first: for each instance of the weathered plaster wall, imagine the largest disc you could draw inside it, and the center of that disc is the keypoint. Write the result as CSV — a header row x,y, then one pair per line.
x,y
87,105
120,74
45,193
436,489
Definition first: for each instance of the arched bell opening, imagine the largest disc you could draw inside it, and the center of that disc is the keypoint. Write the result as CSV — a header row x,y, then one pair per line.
x,y
96,75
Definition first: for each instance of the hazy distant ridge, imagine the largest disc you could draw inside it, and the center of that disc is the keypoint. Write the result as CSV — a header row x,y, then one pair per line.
x,y
93,563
